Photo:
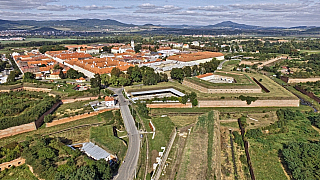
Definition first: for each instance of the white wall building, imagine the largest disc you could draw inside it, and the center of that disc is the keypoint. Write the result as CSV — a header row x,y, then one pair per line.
x,y
110,101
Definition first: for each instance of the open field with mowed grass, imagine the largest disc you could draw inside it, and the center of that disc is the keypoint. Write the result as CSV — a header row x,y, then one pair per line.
x,y
103,136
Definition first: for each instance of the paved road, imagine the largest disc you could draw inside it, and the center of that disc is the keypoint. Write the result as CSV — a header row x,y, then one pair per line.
x,y
127,169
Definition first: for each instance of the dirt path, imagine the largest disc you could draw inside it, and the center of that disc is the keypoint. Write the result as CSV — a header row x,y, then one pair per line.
x,y
284,170
271,61
317,129
217,145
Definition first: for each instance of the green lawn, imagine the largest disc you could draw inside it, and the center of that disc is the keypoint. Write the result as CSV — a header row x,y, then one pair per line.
x,y
164,127
72,109
310,51
103,136
17,173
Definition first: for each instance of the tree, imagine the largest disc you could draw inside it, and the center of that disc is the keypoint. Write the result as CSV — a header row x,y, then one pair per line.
x,y
61,74
107,49
57,66
11,77
105,79
135,73
73,74
48,118
177,74
114,81
137,48
96,81
187,71
150,77
115,72
28,76
184,99
124,81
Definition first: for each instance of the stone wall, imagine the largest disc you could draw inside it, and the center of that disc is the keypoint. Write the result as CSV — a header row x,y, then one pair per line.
x,y
36,89
257,103
65,101
303,80
208,90
74,118
170,105
16,162
195,86
18,130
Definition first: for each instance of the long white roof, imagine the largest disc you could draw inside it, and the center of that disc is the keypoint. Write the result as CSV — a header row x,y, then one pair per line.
x,y
172,90
94,151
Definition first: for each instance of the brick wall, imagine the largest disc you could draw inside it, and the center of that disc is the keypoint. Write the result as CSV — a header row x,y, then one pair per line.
x,y
16,162
65,101
195,86
17,130
257,103
74,118
37,89
303,80
170,105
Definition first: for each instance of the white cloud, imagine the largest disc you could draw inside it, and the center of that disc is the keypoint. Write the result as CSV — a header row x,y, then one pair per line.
x,y
210,8
53,8
23,4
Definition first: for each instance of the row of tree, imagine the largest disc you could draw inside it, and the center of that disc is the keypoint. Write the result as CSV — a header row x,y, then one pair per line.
x,y
208,67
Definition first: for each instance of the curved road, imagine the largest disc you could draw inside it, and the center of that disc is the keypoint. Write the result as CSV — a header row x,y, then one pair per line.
x,y
128,167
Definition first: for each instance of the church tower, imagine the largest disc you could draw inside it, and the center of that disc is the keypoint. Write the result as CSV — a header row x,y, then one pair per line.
x,y
132,44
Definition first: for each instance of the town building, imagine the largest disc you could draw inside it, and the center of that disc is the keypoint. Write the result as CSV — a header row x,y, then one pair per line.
x,y
110,101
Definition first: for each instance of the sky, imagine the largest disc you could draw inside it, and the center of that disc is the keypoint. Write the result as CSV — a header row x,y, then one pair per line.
x,y
271,13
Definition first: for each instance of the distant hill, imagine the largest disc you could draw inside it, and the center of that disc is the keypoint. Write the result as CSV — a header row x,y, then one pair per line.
x,y
75,25
232,25
98,25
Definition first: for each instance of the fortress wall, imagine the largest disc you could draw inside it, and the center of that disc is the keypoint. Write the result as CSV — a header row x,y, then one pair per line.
x,y
257,103
74,118
65,101
15,162
37,89
18,130
170,105
303,80
195,86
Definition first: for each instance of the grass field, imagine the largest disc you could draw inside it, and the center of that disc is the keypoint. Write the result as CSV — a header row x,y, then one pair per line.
x,y
265,151
310,51
78,135
181,121
44,130
198,155
244,110
103,136
17,173
72,109
230,64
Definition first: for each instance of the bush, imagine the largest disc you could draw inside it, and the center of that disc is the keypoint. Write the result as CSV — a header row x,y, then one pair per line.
x,y
48,118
